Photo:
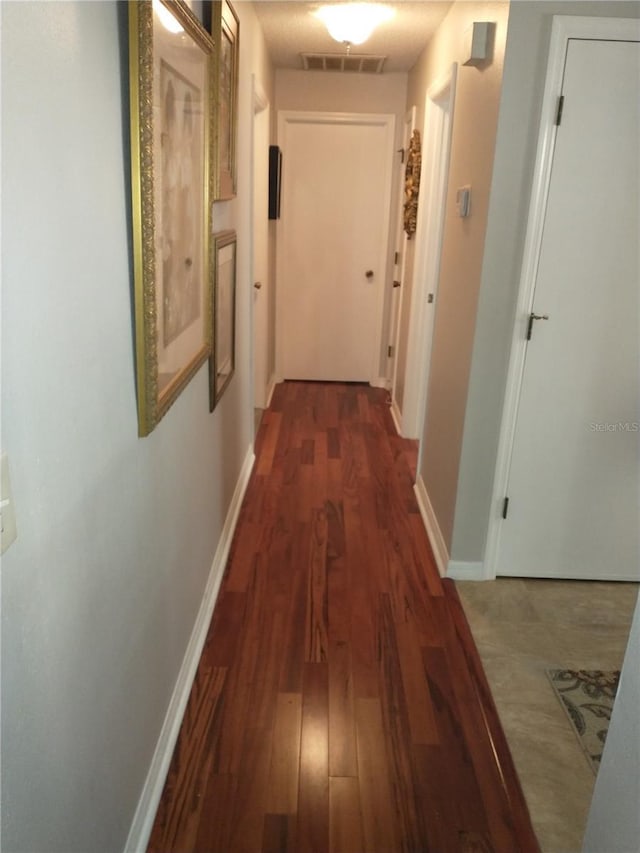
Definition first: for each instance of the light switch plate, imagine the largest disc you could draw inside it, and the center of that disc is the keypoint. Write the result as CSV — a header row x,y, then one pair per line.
x,y
463,201
7,508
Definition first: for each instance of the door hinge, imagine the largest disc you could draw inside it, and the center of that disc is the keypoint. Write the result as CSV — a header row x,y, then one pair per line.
x,y
389,351
401,153
559,110
505,507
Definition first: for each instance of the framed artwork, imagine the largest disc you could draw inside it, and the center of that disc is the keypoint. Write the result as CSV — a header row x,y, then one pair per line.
x,y
275,181
172,66
225,29
222,361
412,184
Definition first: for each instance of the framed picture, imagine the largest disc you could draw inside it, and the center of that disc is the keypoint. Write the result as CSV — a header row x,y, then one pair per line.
x,y
225,29
222,361
172,68
275,180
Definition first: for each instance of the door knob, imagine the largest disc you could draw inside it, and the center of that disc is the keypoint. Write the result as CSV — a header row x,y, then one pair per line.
x,y
257,285
369,273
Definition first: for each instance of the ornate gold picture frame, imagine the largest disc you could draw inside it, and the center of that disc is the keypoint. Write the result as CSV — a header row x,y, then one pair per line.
x,y
172,64
412,184
223,358
225,29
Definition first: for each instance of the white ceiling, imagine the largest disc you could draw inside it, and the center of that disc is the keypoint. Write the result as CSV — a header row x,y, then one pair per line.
x,y
290,29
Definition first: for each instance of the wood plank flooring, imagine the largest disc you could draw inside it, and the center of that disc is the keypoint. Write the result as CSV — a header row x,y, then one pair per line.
x,y
340,705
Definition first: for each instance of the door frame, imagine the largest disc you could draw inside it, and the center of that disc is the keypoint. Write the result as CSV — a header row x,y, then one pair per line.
x,y
563,29
287,118
437,133
260,103
408,126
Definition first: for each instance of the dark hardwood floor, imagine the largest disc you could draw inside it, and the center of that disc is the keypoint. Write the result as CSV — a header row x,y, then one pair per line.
x,y
340,704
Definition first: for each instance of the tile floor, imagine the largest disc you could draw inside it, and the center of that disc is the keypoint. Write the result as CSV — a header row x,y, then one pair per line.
x,y
523,627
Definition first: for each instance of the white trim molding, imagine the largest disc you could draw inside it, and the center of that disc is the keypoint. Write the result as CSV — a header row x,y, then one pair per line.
x,y
380,382
563,29
260,99
396,417
455,569
401,239
271,387
436,539
148,803
436,140
459,570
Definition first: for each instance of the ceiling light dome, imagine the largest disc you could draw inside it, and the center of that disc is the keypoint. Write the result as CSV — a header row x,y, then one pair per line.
x,y
166,18
353,23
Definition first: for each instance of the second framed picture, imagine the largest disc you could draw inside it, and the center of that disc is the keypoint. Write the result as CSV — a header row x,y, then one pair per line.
x,y
222,359
223,23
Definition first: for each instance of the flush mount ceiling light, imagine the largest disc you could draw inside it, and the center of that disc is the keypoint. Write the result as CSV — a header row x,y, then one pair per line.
x,y
353,23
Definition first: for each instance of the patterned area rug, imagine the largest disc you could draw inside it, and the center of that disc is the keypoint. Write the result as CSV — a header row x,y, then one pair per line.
x,y
587,696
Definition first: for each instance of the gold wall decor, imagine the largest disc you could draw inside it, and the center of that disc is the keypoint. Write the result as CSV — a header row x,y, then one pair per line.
x,y
171,71
223,358
225,29
412,184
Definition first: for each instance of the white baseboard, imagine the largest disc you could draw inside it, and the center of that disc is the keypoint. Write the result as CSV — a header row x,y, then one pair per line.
x,y
270,389
430,521
396,417
380,382
148,804
462,571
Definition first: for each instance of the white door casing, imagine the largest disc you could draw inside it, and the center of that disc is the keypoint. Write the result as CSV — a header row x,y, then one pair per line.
x,y
334,229
438,127
260,246
398,290
568,455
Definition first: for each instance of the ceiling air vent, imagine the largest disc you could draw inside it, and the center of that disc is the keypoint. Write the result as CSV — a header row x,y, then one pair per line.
x,y
354,62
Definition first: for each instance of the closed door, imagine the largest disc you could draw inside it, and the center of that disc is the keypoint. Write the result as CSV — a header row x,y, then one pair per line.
x,y
261,257
573,479
334,232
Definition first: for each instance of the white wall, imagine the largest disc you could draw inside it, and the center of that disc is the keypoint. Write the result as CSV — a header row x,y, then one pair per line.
x,y
614,819
333,91
475,118
522,87
329,91
116,534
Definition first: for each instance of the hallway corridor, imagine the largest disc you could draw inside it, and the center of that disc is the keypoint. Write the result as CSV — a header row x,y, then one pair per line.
x,y
339,705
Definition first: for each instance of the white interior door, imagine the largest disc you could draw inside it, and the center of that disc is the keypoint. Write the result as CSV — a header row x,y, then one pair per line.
x,y
334,234
260,250
573,478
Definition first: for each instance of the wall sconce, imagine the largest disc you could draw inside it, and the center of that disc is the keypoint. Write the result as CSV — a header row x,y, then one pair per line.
x,y
478,43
